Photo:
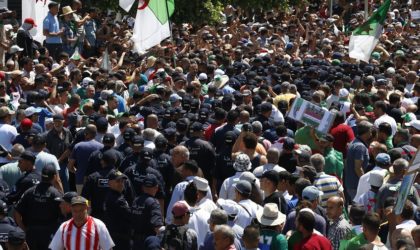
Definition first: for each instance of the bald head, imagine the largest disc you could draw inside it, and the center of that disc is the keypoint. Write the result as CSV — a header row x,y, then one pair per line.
x,y
179,155
335,207
152,121
415,140
273,155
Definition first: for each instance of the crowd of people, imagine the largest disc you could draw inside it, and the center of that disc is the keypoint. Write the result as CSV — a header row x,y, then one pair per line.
x,y
189,145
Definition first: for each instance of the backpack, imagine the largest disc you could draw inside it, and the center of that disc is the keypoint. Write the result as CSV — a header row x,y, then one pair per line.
x,y
175,237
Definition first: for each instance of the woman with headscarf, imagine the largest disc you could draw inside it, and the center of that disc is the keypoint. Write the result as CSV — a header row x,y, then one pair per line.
x,y
24,39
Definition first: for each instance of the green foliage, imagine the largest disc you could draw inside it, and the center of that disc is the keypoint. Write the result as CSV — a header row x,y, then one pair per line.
x,y
201,12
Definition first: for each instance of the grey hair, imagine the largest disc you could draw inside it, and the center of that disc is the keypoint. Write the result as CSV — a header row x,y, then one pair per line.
x,y
149,134
318,162
226,231
17,150
273,155
218,217
363,127
257,127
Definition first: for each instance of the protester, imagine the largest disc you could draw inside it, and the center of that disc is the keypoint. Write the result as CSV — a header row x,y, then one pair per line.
x,y
202,121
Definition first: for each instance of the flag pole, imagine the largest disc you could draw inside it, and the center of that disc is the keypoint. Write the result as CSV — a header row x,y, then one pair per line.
x,y
170,30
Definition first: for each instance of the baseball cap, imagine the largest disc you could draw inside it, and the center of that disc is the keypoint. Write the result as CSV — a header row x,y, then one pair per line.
x,y
343,93
180,209
265,107
415,124
229,137
58,117
116,175
4,111
28,155
67,197
229,206
26,123
31,110
48,172
150,180
129,133
108,138
311,193
202,76
243,187
79,200
16,237
376,178
175,97
137,141
327,138
201,183
196,127
146,154
30,21
14,49
383,158
161,141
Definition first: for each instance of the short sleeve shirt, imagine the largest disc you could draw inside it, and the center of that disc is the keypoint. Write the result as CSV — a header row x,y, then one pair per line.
x,y
357,151
52,24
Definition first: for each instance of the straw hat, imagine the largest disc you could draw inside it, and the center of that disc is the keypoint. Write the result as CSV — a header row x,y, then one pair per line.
x,y
270,215
220,81
67,10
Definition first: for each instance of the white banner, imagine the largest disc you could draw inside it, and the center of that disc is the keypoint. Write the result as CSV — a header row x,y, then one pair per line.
x,y
3,3
37,10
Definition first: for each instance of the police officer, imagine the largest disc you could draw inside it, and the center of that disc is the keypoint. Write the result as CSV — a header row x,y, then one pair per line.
x,y
95,158
200,150
96,186
31,177
163,162
65,205
38,212
126,147
117,211
137,143
146,216
145,165
224,163
7,224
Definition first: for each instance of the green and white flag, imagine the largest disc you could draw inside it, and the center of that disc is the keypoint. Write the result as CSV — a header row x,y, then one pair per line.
x,y
152,22
365,37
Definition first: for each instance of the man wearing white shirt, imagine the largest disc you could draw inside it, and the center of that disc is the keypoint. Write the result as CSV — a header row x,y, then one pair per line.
x,y
411,79
189,171
248,209
380,108
242,163
203,202
383,162
405,219
8,133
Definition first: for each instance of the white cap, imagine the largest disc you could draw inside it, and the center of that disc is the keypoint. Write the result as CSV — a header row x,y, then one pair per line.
x,y
31,110
390,70
415,124
229,206
201,183
15,49
343,93
86,81
219,72
202,76
376,178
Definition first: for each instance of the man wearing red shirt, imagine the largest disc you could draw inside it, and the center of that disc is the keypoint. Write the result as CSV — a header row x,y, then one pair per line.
x,y
342,133
305,223
219,117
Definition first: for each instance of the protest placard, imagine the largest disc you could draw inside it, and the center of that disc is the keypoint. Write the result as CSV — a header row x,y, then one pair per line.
x,y
312,115
403,192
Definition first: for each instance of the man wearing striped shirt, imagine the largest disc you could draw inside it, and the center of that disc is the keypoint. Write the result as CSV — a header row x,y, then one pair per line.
x,y
82,232
328,184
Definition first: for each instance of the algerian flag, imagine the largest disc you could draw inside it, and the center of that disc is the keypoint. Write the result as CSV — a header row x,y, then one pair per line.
x,y
152,23
76,55
365,37
126,4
